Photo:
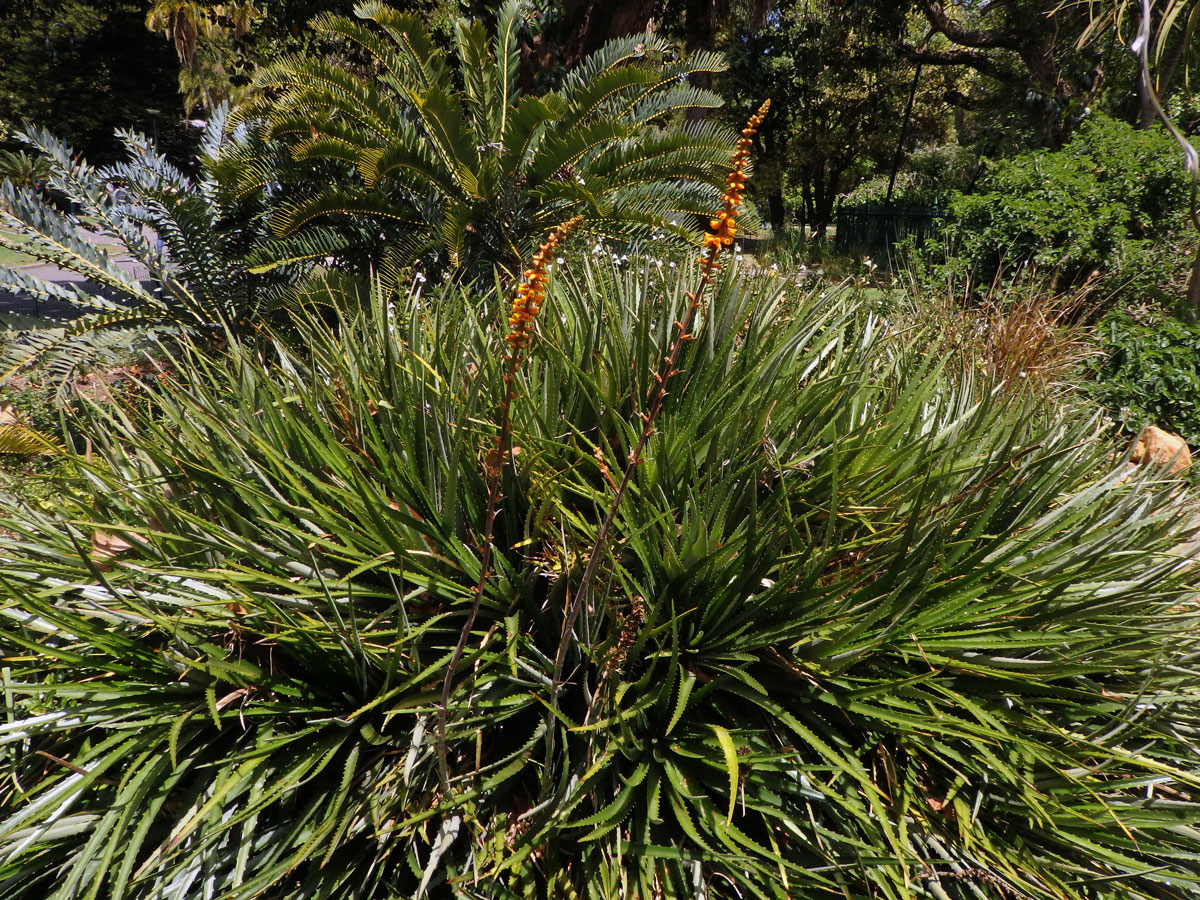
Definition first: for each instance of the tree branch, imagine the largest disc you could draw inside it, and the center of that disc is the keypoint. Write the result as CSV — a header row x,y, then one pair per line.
x,y
963,101
966,37
980,62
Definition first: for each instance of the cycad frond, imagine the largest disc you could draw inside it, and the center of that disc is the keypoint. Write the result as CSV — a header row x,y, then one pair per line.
x,y
609,93
482,93
417,140
410,165
525,127
205,226
20,282
556,152
311,244
21,440
442,115
673,98
53,237
292,217
309,86
68,349
422,56
509,23
613,54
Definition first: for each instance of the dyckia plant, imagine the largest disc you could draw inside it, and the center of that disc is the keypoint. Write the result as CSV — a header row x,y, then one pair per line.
x,y
859,626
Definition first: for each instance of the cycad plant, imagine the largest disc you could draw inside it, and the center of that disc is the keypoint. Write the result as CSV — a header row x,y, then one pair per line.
x,y
24,169
435,158
190,249
801,612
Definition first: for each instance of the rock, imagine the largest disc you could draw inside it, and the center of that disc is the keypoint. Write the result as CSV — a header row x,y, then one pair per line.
x,y
1129,470
8,415
1157,447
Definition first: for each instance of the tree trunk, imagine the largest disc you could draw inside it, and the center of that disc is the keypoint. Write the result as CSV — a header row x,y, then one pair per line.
x,y
776,209
770,172
827,180
1193,292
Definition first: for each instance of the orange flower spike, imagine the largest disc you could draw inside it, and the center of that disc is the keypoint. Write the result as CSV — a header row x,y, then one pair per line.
x,y
527,304
723,228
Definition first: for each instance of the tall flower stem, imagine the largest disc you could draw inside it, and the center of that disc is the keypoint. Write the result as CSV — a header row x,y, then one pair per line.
x,y
527,305
722,231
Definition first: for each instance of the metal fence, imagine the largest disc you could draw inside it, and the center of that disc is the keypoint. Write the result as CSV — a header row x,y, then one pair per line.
x,y
12,304
877,229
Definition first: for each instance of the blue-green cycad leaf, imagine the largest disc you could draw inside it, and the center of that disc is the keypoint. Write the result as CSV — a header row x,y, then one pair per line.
x,y
197,282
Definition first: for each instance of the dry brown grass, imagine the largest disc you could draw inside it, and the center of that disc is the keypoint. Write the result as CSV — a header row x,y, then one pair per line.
x,y
1027,336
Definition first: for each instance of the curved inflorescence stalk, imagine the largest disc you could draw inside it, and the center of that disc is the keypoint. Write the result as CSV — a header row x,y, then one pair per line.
x,y
527,305
723,229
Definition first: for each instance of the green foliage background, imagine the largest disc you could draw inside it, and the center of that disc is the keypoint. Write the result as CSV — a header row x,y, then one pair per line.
x,y
85,68
1110,206
1149,373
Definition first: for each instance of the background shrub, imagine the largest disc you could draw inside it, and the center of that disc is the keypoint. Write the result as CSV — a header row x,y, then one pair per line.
x,y
930,175
1149,373
1108,207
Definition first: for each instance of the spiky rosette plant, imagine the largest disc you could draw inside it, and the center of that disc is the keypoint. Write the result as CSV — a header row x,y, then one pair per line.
x,y
771,605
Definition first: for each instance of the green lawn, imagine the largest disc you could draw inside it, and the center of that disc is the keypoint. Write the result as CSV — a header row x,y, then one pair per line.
x,y
12,257
16,258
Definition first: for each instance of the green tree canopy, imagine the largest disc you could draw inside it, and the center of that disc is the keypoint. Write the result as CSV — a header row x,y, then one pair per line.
x,y
840,93
84,68
1029,75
